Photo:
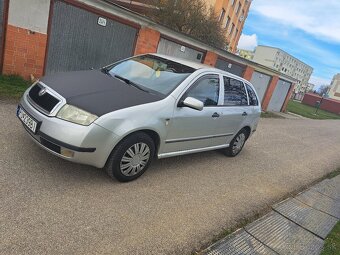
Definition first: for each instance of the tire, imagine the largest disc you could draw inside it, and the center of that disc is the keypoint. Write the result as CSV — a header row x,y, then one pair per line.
x,y
131,157
237,144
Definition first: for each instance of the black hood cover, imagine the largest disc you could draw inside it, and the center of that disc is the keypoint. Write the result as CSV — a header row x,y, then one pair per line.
x,y
96,92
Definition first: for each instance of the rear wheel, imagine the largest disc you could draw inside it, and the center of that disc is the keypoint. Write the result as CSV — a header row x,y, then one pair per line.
x,y
131,157
236,145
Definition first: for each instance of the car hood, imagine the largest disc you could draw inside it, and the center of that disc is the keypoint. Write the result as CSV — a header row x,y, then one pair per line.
x,y
96,92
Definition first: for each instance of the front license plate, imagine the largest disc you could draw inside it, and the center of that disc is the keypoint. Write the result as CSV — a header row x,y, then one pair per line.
x,y
27,120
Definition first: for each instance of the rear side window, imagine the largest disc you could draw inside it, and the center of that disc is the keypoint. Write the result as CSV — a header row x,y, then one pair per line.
x,y
252,96
234,92
206,90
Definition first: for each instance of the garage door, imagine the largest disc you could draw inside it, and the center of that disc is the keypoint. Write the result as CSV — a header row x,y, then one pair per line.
x,y
279,96
80,40
260,82
230,67
173,49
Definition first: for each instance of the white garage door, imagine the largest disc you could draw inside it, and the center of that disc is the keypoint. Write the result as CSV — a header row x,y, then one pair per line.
x,y
279,96
260,82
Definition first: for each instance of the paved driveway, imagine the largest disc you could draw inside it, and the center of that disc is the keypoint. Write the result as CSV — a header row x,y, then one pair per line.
x,y
50,206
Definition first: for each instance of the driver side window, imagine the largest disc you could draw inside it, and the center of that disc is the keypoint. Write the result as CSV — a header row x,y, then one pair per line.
x,y
206,89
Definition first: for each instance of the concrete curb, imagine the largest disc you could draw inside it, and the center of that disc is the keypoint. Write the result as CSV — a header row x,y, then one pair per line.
x,y
297,225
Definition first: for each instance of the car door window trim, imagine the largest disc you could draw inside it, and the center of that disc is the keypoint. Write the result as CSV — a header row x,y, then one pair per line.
x,y
196,81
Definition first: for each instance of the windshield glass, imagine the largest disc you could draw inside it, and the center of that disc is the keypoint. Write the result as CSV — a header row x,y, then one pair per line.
x,y
152,72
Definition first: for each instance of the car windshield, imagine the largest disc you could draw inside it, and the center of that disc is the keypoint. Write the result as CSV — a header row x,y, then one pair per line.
x,y
151,73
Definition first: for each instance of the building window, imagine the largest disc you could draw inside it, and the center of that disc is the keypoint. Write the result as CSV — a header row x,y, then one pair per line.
x,y
222,15
236,32
232,29
227,22
238,8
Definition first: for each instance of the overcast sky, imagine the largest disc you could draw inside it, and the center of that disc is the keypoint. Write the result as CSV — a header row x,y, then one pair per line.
x,y
307,29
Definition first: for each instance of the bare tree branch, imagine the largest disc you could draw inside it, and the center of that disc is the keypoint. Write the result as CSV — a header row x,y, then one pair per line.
x,y
190,17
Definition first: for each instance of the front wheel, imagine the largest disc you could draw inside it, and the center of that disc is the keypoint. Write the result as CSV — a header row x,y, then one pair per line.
x,y
236,145
131,157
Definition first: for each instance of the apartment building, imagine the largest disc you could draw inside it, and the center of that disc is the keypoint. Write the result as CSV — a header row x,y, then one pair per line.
x,y
232,15
285,63
334,91
247,54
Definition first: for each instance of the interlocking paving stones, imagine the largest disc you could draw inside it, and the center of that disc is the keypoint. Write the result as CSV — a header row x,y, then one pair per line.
x,y
239,243
296,226
284,236
320,202
329,188
307,217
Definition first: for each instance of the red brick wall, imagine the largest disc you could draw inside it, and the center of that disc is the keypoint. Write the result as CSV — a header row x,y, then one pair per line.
x,y
24,52
210,58
289,95
269,92
328,104
147,41
248,73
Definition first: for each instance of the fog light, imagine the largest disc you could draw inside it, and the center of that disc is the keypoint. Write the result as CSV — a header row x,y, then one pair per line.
x,y
66,152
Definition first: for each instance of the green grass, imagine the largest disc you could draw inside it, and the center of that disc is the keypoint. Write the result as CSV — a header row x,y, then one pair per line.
x,y
332,242
309,111
271,115
12,86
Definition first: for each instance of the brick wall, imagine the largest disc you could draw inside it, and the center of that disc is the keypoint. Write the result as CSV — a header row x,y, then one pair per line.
x,y
24,52
147,41
210,58
327,104
289,95
248,73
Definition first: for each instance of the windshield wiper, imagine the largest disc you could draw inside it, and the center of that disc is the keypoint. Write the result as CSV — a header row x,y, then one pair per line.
x,y
127,81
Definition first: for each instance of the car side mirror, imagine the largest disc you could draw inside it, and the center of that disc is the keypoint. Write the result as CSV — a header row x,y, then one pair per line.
x,y
192,103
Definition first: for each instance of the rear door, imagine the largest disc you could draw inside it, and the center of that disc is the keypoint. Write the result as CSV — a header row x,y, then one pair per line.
x,y
254,105
234,111
192,129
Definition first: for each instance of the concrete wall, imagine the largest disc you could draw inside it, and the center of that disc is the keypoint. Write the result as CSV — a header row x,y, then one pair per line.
x,y
29,14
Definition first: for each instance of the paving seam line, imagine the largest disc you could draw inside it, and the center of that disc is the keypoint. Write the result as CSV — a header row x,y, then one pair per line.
x,y
298,224
325,194
261,241
317,208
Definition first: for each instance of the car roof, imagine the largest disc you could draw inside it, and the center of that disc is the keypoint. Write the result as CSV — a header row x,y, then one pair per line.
x,y
198,66
182,61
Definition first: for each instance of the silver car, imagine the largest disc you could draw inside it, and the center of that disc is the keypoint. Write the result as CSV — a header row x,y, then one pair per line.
x,y
122,116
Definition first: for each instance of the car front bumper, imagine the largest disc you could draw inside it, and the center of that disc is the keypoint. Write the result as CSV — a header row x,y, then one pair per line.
x,y
90,145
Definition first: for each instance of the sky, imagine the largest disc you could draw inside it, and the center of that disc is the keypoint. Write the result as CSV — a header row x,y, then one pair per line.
x,y
307,29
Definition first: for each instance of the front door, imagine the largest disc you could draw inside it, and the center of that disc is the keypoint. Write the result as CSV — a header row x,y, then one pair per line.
x,y
191,129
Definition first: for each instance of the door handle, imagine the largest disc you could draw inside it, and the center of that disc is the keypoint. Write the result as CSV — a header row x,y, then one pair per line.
x,y
244,114
215,115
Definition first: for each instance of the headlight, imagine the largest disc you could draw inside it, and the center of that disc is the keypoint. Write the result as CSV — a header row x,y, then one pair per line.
x,y
76,115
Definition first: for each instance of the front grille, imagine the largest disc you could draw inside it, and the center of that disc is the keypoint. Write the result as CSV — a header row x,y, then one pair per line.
x,y
46,101
49,145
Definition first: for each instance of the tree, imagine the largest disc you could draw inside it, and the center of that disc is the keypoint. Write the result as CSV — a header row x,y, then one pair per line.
x,y
323,90
190,17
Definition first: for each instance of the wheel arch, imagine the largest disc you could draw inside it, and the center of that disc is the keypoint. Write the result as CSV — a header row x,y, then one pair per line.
x,y
152,133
